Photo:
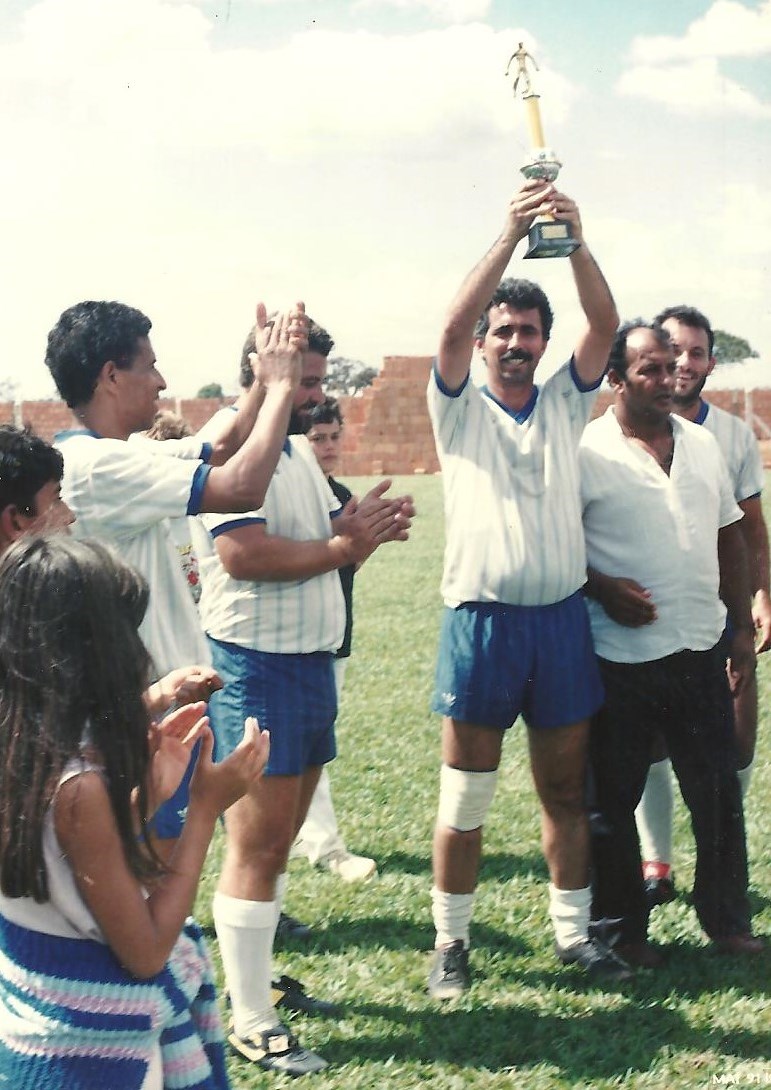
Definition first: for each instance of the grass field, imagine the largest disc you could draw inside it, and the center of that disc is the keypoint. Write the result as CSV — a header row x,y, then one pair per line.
x,y
527,1022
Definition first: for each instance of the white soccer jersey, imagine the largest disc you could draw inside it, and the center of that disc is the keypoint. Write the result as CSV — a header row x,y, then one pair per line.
x,y
294,617
124,494
660,531
511,492
739,448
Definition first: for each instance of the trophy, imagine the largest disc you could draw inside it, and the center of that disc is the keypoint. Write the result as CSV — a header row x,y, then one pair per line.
x,y
548,236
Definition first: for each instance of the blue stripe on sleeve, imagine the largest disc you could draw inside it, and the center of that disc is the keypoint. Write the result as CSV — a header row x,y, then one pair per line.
x,y
236,524
206,449
444,388
580,385
196,489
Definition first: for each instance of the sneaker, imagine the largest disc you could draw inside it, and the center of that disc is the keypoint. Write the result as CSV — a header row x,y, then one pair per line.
x,y
277,1050
596,958
659,891
289,994
349,867
290,928
450,975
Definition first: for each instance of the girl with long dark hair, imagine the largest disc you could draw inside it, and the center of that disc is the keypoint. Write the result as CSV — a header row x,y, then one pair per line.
x,y
102,980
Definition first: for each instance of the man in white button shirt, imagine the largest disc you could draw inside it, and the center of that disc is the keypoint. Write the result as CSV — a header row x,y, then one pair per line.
x,y
693,341
663,544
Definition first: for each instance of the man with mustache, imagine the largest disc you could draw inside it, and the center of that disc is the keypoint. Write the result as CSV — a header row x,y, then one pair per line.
x,y
515,636
693,341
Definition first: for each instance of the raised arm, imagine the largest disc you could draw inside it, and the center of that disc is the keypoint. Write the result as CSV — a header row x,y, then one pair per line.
x,y
456,344
241,483
142,931
593,347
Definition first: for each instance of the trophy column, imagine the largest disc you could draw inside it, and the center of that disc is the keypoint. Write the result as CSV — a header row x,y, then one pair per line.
x,y
548,236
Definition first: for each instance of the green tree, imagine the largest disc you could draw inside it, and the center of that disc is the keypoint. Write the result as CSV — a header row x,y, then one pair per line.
x,y
731,349
347,378
211,389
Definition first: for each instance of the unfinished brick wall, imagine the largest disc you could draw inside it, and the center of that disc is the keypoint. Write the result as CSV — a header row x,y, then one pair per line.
x,y
386,428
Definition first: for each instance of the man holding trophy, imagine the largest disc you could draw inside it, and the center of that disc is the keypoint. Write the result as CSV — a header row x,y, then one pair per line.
x,y
515,637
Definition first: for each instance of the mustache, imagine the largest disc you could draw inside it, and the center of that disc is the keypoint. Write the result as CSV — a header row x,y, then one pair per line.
x,y
517,355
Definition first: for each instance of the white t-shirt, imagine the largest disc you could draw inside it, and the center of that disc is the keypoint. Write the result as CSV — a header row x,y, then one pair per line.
x,y
511,491
739,447
292,617
124,493
658,530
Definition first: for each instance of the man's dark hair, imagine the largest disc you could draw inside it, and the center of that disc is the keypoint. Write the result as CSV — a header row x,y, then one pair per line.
x,y
319,341
328,412
618,361
689,316
27,463
519,295
85,338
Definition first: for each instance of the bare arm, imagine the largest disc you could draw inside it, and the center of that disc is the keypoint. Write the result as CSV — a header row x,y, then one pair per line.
x,y
456,344
240,427
142,931
735,592
593,347
250,552
756,540
624,600
241,483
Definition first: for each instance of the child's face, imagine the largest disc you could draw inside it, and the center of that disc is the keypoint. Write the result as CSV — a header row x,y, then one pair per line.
x,y
325,440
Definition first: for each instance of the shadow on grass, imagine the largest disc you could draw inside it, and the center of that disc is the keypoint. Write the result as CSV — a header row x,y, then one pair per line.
x,y
599,1044
500,865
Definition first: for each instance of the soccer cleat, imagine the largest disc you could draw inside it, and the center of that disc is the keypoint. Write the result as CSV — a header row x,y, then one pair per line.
x,y
450,975
277,1050
289,994
290,928
596,958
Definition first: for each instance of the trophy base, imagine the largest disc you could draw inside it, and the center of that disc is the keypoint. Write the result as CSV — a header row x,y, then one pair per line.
x,y
551,238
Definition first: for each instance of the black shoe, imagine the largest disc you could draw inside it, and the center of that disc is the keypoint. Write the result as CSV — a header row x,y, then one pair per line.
x,y
596,958
659,891
290,928
288,994
450,975
277,1050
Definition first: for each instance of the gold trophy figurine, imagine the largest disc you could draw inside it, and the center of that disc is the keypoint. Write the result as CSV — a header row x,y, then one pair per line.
x,y
548,237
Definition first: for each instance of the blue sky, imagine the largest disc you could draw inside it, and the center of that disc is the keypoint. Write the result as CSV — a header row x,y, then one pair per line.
x,y
193,156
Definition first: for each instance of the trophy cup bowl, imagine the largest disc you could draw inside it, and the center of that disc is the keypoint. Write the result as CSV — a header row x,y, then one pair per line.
x,y
548,237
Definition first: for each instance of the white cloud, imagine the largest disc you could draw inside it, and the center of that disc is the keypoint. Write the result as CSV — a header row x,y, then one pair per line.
x,y
693,87
448,11
92,76
728,29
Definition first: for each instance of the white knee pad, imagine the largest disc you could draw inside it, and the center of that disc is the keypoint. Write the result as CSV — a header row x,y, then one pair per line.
x,y
464,798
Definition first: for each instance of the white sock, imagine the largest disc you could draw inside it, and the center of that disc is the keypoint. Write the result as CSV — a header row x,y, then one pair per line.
x,y
569,912
452,916
745,775
654,814
281,883
245,931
